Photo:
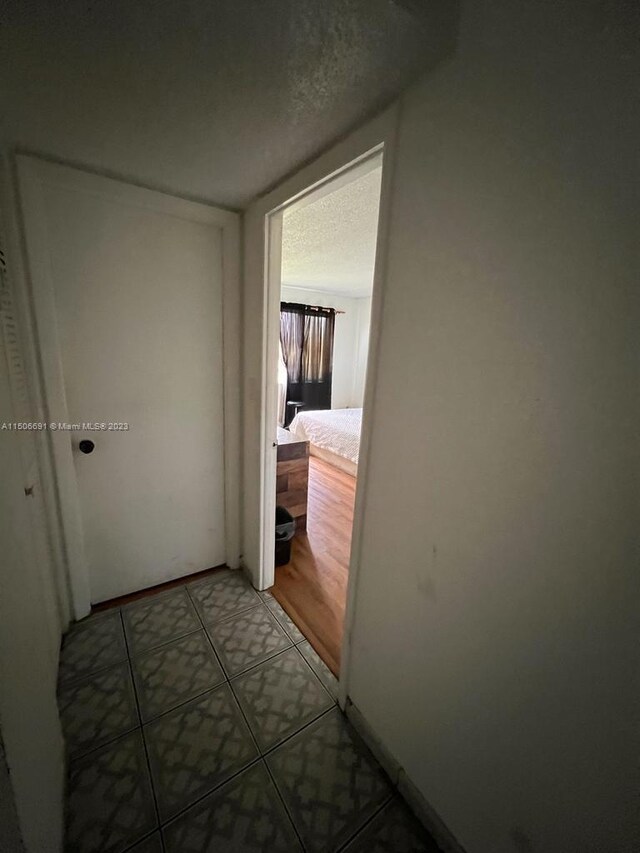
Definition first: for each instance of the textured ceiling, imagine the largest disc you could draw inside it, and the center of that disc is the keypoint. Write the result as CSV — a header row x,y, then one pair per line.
x,y
329,243
214,99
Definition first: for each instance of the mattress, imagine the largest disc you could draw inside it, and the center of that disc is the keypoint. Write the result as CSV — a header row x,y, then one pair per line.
x,y
337,430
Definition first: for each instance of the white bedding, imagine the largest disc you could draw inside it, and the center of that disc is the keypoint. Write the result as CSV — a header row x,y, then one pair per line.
x,y
336,430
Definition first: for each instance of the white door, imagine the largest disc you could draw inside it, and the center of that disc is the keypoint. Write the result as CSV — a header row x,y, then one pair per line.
x,y
136,295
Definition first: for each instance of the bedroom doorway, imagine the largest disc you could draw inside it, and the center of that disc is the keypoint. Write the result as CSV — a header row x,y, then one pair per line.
x,y
320,262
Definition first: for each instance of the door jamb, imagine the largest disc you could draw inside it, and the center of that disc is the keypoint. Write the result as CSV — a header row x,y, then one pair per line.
x,y
385,129
32,175
273,251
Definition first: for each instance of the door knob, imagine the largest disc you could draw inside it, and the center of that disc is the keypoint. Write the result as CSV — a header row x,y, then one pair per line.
x,y
86,446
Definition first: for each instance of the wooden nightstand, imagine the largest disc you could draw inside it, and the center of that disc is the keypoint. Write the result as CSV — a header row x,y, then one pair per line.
x,y
292,476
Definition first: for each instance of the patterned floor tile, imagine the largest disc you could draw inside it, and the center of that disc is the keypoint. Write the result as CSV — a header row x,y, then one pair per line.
x,y
222,595
279,697
97,709
243,816
265,594
110,803
196,747
319,667
153,621
174,673
247,639
92,645
329,781
153,844
285,620
393,830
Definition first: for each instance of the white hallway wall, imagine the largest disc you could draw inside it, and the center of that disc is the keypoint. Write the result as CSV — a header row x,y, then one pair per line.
x,y
29,724
34,606
349,345
495,635
361,349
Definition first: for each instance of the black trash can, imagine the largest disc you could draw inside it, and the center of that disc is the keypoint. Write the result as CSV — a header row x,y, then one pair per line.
x,y
285,530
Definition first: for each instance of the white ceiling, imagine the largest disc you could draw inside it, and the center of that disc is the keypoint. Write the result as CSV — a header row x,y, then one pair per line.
x,y
329,240
211,99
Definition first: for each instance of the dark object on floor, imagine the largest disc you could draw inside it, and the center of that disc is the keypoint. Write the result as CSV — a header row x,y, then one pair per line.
x,y
285,531
293,407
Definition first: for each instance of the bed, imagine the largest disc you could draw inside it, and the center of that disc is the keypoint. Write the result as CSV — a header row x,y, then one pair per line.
x,y
333,435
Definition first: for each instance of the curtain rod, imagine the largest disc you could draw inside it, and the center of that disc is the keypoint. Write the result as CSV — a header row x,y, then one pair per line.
x,y
319,308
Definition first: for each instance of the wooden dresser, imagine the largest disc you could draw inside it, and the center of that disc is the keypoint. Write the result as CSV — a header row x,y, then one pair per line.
x,y
292,476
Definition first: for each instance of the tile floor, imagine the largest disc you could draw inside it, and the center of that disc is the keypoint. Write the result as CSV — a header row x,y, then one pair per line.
x,y
200,719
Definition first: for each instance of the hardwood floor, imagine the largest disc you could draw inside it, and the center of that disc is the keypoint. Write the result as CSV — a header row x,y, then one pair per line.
x,y
312,588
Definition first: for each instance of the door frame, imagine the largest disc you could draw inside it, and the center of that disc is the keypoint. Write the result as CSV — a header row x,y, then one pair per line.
x,y
33,174
375,139
351,171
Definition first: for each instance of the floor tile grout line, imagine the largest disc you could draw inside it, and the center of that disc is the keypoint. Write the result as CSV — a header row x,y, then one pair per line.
x,y
255,663
201,797
272,749
261,755
217,656
246,721
253,761
226,676
71,759
393,790
142,652
228,616
194,605
74,682
213,790
147,603
368,821
258,663
284,805
315,675
288,737
184,702
202,627
284,628
146,838
68,682
91,619
202,692
144,742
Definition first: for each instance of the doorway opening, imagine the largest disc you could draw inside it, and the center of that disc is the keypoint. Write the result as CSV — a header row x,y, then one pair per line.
x,y
320,270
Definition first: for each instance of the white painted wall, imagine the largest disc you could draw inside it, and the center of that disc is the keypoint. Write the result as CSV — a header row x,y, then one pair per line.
x,y
361,350
495,635
34,594
349,340
29,724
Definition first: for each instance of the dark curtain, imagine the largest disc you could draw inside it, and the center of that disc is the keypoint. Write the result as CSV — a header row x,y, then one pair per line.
x,y
306,335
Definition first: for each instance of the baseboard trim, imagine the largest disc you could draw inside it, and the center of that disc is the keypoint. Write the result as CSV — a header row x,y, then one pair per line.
x,y
407,789
121,600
